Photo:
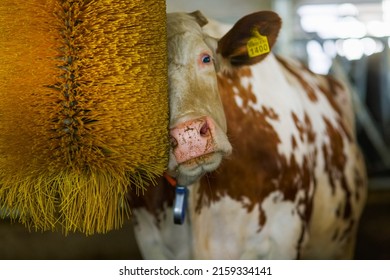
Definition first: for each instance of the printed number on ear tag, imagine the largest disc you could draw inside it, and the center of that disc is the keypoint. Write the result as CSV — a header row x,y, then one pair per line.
x,y
257,44
180,205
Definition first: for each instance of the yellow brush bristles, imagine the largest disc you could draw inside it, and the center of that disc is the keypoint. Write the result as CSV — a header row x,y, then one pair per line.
x,y
83,109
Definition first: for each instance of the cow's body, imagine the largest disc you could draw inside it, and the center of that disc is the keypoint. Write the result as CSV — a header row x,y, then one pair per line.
x,y
293,187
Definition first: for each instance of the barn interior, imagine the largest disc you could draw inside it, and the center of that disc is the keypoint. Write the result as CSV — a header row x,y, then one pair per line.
x,y
329,36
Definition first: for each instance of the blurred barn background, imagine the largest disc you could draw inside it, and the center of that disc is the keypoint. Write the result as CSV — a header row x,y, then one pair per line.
x,y
346,38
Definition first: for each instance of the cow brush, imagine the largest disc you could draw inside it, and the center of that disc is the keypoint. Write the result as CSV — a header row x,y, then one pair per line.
x,y
83,110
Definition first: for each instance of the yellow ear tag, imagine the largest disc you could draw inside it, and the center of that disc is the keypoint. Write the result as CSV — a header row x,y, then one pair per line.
x,y
257,44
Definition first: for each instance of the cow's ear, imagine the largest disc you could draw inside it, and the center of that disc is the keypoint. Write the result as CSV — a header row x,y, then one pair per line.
x,y
200,18
250,39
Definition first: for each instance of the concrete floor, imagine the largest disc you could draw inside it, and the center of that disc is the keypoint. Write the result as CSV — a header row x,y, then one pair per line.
x,y
16,242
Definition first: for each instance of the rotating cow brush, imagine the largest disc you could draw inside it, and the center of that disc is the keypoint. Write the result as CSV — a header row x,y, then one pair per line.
x,y
83,109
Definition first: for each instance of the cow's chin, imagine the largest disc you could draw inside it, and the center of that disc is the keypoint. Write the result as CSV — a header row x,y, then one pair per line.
x,y
188,172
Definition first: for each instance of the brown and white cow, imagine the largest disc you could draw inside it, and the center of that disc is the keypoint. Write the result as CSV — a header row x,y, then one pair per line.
x,y
292,184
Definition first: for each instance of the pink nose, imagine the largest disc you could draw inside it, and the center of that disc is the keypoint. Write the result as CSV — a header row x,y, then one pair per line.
x,y
192,139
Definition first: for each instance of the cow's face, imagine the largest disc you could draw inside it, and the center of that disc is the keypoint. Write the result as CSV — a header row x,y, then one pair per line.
x,y
197,119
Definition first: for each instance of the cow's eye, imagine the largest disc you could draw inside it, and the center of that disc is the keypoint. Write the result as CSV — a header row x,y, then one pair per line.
x,y
206,58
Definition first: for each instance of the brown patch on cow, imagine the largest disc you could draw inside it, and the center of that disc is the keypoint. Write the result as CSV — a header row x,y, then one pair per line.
x,y
337,96
347,132
294,143
330,96
298,125
256,169
336,88
310,91
333,91
334,85
305,128
246,94
335,158
309,130
335,161
270,113
244,72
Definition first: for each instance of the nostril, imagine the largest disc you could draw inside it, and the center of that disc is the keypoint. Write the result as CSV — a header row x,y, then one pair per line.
x,y
173,142
204,130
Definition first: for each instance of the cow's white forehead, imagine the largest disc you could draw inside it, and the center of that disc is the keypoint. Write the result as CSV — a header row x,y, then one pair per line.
x,y
179,23
184,47
185,37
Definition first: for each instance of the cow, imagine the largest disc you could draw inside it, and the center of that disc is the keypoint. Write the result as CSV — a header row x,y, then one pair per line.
x,y
266,147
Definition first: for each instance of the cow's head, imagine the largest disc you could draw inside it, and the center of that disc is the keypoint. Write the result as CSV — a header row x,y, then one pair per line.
x,y
197,119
